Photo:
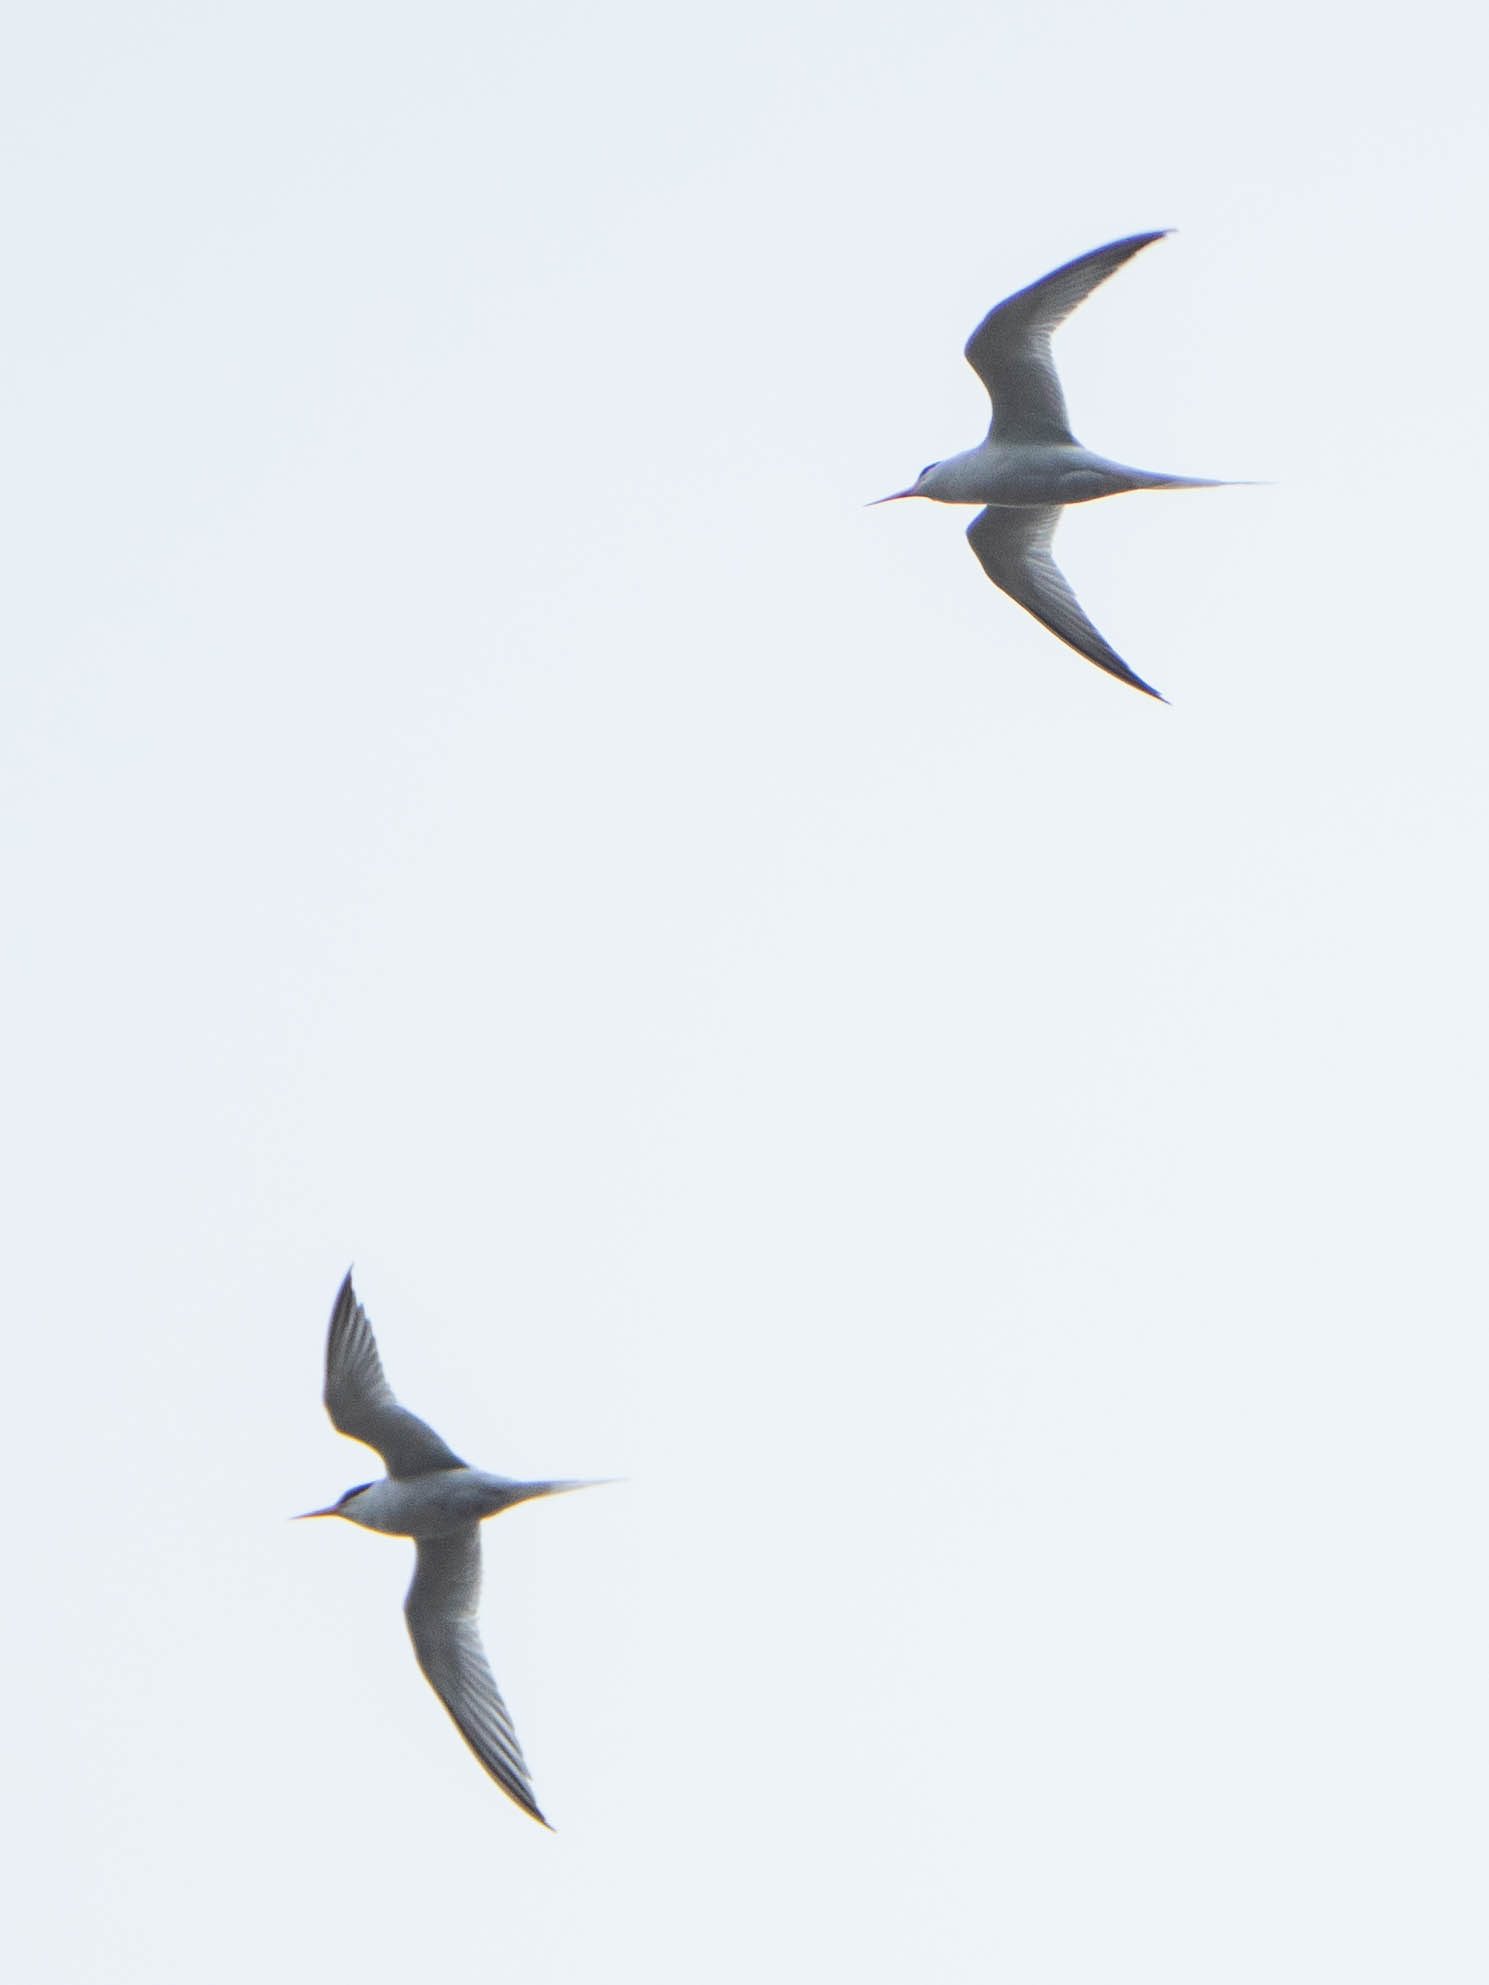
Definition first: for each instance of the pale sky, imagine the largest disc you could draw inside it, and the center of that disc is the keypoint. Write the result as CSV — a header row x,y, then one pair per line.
x,y
996,1164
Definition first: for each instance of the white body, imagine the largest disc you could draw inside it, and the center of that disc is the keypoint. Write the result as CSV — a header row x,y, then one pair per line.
x,y
1031,474
435,1505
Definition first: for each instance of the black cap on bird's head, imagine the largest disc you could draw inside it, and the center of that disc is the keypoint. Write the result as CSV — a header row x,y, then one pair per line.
x,y
338,1508
911,491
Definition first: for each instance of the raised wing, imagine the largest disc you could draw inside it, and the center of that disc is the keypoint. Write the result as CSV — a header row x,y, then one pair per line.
x,y
1010,349
1013,547
360,1400
441,1613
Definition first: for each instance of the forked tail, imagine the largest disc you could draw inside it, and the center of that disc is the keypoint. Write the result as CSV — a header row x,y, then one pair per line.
x,y
530,1489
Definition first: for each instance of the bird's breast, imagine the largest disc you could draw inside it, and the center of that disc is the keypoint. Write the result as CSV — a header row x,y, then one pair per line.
x,y
430,1505
1021,475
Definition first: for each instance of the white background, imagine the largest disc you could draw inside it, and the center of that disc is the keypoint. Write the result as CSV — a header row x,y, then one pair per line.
x,y
994,1162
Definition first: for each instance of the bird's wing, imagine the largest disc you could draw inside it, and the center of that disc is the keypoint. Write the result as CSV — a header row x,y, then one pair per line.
x,y
441,1613
1013,548
1010,349
360,1400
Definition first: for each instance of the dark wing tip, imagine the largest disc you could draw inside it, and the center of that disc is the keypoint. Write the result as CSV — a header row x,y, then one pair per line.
x,y
354,1371
519,1791
344,1313
1123,249
346,1296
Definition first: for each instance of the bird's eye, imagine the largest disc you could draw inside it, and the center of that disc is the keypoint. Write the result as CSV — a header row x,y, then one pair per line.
x,y
925,471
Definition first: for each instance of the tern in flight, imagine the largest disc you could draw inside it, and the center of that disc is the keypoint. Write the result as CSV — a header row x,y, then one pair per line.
x,y
430,1494
1031,465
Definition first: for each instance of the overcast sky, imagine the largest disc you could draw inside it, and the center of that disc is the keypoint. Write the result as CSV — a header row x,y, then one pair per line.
x,y
994,1162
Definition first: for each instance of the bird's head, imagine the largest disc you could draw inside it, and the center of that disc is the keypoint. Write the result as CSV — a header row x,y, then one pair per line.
x,y
343,1506
917,488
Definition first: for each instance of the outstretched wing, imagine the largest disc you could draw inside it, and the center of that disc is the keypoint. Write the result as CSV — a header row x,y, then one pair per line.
x,y
1013,547
1010,349
441,1613
360,1400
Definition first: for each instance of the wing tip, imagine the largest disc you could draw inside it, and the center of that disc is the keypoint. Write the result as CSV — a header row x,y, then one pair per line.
x,y
519,1791
346,1298
1121,673
344,1311
1134,244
